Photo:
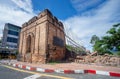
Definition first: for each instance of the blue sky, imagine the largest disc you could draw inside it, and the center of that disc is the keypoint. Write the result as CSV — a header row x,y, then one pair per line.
x,y
60,8
64,9
81,18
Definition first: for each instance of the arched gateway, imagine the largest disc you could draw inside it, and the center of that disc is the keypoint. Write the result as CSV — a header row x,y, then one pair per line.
x,y
30,41
28,45
42,39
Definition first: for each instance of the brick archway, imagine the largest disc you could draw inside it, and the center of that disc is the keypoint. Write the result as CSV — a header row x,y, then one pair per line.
x,y
30,41
28,45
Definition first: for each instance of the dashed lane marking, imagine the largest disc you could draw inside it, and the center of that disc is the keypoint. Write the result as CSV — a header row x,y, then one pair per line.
x,y
54,76
33,76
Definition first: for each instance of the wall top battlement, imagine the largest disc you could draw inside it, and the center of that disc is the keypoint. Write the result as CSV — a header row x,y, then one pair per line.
x,y
40,15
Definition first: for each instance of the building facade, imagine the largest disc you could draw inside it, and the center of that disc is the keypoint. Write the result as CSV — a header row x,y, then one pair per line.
x,y
10,41
42,39
11,36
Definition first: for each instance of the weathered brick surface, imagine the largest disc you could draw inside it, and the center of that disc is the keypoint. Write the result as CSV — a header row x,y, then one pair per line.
x,y
40,30
100,60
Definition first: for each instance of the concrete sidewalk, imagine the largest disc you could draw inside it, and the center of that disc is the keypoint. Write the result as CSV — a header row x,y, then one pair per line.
x,y
66,67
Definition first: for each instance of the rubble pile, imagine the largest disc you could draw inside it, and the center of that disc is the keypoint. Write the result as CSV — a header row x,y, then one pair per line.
x,y
107,60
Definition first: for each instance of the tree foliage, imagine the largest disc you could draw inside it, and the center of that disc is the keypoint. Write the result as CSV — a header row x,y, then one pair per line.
x,y
109,42
94,39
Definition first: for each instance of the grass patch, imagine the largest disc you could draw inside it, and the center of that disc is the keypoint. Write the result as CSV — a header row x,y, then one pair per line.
x,y
53,62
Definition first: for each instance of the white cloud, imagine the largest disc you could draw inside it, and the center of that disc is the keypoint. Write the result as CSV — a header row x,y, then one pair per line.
x,y
81,27
83,5
15,11
24,4
97,21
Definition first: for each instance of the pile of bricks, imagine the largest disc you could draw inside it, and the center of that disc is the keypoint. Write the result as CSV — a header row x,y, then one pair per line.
x,y
107,60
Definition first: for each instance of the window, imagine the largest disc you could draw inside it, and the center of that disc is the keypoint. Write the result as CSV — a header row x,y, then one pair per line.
x,y
13,27
12,46
13,33
58,41
10,39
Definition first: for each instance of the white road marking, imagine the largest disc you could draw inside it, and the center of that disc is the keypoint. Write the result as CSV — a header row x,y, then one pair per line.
x,y
59,71
40,69
20,66
14,65
33,76
79,71
102,72
27,67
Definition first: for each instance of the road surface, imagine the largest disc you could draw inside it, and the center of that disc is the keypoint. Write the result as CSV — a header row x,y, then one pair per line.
x,y
7,72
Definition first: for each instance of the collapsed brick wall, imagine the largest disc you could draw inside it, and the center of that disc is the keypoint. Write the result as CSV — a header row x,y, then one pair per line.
x,y
107,60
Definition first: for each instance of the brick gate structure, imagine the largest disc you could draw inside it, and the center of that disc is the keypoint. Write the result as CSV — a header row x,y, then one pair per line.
x,y
42,39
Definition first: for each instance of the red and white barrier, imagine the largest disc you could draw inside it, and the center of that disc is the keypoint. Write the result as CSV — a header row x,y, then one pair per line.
x,y
89,71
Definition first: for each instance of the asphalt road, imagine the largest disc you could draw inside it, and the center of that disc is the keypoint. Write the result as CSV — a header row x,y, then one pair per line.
x,y
7,72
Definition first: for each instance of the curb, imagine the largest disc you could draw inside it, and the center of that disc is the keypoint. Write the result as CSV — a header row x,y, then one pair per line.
x,y
89,71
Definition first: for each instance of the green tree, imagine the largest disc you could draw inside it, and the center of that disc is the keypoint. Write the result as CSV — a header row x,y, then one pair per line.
x,y
107,43
94,39
101,47
114,37
118,53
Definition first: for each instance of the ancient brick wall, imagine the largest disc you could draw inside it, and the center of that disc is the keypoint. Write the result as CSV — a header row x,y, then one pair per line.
x,y
42,39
